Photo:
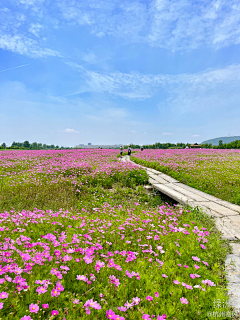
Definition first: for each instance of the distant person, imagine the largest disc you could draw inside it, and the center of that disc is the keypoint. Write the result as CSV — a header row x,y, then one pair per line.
x,y
121,151
129,150
141,148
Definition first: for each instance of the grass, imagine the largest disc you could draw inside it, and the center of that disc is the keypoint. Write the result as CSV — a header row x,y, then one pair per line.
x,y
64,211
216,172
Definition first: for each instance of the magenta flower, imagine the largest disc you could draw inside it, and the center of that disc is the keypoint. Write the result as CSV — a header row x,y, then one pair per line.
x,y
196,266
156,294
3,295
26,318
76,301
164,275
176,282
149,298
192,276
45,306
110,314
54,313
1,305
88,259
40,290
33,308
146,317
183,300
55,292
163,317
202,246
59,287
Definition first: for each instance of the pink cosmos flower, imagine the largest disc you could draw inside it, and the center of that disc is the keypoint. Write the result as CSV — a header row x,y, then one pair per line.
x,y
92,304
88,259
55,292
1,305
196,259
186,266
45,306
149,298
33,308
196,266
183,300
205,263
202,246
54,313
110,314
156,294
136,300
163,317
59,287
40,290
3,295
164,275
146,317
26,318
179,265
192,276
176,281
101,295
76,301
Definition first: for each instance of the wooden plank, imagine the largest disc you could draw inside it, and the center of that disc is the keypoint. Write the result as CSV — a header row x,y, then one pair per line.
x,y
179,197
158,178
219,209
187,193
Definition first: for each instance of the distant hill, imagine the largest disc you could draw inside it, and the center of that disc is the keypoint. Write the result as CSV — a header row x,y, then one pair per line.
x,y
215,141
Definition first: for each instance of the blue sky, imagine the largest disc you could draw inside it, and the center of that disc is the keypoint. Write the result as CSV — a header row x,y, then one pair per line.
x,y
108,71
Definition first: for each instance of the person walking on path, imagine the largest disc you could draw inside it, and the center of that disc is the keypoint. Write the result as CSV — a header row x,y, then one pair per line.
x,y
121,151
129,150
141,148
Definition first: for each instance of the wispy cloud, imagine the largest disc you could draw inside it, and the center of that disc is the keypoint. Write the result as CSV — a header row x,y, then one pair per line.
x,y
195,135
174,25
25,46
212,90
71,131
167,133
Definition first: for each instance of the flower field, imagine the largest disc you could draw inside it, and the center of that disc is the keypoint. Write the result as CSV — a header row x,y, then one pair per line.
x,y
109,250
216,172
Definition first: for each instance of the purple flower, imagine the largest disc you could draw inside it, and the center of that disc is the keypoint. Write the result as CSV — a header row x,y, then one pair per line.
x,y
149,298
156,294
1,305
45,306
26,318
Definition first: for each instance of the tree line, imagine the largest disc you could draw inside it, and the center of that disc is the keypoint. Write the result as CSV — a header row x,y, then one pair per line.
x,y
26,145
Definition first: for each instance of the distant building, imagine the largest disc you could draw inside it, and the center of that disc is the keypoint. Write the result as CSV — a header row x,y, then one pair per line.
x,y
89,144
81,144
195,146
102,146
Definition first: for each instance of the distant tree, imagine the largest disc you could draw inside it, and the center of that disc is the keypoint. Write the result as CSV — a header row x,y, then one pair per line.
x,y
4,145
26,144
34,146
57,147
44,146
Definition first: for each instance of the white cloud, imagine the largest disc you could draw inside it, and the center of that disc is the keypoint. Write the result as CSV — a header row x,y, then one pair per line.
x,y
211,90
35,29
25,46
167,133
71,131
169,24
195,135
